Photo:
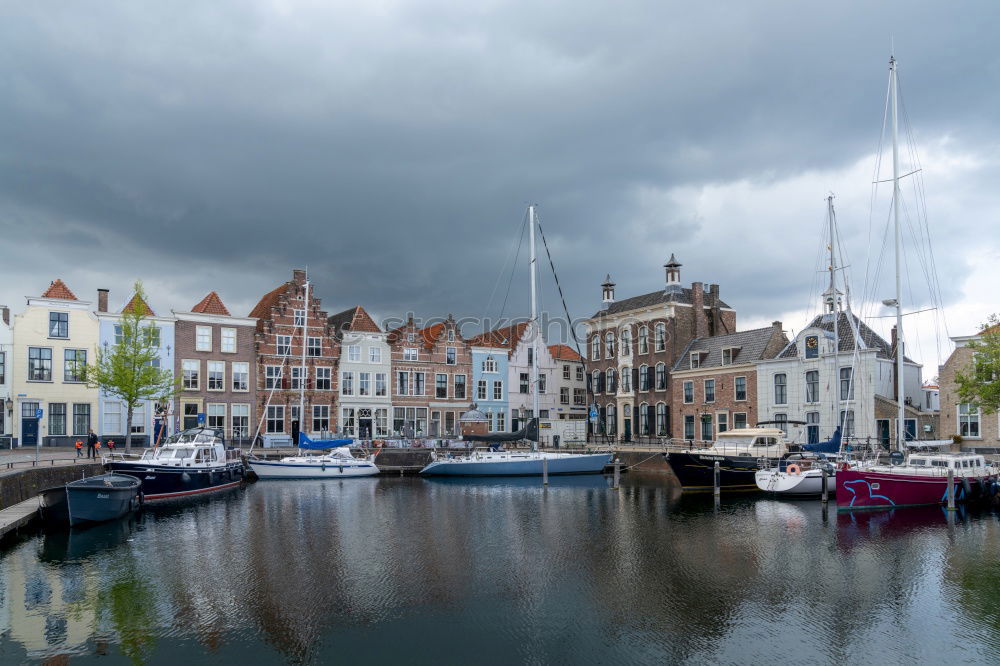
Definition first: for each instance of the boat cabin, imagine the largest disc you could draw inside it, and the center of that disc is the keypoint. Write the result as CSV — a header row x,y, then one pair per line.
x,y
759,442
963,464
197,447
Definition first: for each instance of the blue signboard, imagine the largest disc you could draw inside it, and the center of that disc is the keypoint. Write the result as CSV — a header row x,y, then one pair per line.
x,y
38,413
201,418
593,413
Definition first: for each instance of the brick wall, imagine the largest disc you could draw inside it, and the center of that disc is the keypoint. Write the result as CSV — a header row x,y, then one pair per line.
x,y
725,397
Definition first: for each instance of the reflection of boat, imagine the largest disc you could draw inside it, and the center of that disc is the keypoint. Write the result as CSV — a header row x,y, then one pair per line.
x,y
740,453
578,481
91,500
82,542
190,462
338,462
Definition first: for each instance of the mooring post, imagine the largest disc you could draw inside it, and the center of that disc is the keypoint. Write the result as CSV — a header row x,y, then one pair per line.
x,y
826,486
618,473
717,490
951,489
545,471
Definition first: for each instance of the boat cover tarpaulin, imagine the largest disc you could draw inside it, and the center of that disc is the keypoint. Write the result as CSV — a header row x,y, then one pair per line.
x,y
529,431
829,446
321,444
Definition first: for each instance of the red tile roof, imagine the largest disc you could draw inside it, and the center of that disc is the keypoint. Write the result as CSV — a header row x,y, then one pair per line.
x,y
211,304
506,337
564,353
263,308
354,319
58,289
136,303
431,334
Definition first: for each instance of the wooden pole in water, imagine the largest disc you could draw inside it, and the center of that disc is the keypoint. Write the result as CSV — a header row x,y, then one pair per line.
x,y
545,471
951,489
618,473
717,490
826,486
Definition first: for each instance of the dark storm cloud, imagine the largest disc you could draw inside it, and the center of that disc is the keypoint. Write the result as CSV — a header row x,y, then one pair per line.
x,y
392,147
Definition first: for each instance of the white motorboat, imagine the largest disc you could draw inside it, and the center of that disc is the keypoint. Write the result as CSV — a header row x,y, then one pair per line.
x,y
484,462
798,478
337,463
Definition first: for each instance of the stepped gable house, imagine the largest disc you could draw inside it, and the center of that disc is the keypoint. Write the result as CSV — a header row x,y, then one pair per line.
x,y
216,363
365,369
432,370
280,315
633,343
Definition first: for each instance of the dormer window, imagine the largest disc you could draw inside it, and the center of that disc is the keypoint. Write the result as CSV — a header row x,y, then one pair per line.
x,y
451,335
695,360
729,354
812,346
410,337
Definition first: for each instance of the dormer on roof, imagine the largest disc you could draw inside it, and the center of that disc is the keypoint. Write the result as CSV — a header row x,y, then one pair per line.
x,y
137,304
211,304
58,289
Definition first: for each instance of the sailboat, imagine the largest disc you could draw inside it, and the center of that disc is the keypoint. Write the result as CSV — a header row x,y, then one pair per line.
x,y
923,478
494,461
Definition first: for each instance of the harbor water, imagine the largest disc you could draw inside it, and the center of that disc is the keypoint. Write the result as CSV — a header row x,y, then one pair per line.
x,y
421,571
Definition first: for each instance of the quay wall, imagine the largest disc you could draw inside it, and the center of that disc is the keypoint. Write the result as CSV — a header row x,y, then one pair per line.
x,y
24,484
644,461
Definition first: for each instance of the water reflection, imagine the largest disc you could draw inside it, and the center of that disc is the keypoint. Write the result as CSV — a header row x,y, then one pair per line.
x,y
501,571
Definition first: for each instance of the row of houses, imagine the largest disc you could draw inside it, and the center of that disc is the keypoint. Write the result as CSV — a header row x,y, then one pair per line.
x,y
253,374
672,363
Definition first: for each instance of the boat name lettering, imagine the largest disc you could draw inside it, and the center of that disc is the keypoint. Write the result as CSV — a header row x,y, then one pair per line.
x,y
103,496
719,458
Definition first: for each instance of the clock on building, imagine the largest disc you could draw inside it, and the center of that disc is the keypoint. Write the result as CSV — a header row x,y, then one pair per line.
x,y
812,346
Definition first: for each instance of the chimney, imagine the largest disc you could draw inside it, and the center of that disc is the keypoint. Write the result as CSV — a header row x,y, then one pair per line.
x,y
607,292
698,310
5,314
102,300
715,322
776,325
673,270
299,276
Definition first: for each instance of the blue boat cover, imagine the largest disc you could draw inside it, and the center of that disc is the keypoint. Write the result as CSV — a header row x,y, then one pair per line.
x,y
829,446
321,444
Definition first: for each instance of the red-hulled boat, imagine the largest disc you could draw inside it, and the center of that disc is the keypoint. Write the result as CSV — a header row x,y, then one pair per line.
x,y
922,480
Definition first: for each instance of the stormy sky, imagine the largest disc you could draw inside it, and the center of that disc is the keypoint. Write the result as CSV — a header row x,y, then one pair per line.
x,y
392,147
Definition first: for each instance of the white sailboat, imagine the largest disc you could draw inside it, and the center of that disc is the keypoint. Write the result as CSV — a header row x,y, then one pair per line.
x,y
489,462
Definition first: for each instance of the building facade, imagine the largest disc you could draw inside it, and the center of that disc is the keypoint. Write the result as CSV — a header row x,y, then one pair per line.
x,y
959,418
490,385
365,368
714,384
432,370
569,381
54,339
6,377
827,383
112,412
214,358
291,369
633,343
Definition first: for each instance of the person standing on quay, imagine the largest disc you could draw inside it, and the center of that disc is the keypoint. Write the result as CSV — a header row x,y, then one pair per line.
x,y
79,448
91,443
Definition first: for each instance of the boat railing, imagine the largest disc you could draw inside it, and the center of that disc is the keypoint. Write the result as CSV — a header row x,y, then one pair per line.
x,y
125,457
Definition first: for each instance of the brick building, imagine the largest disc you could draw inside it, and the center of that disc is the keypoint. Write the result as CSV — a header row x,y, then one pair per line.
x,y
431,384
215,359
282,375
714,383
958,418
633,343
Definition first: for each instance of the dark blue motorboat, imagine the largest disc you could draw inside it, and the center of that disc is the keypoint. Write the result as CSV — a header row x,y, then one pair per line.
x,y
91,500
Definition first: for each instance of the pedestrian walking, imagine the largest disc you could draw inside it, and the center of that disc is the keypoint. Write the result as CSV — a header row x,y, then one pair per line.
x,y
97,449
79,449
91,443
111,446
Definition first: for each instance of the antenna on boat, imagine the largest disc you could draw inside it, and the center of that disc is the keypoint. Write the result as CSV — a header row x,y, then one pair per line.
x,y
534,326
901,415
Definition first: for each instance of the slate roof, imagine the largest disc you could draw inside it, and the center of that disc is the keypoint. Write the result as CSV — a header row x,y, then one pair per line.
x,y
354,319
752,347
869,338
211,304
681,295
58,289
564,353
506,337
136,303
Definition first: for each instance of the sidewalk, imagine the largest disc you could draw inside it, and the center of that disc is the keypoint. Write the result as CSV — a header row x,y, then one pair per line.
x,y
18,459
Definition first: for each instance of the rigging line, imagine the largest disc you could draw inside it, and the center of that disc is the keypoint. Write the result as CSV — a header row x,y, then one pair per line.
x,y
877,168
510,280
503,269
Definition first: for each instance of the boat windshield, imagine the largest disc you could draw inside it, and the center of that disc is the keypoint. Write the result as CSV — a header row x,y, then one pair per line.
x,y
191,437
176,454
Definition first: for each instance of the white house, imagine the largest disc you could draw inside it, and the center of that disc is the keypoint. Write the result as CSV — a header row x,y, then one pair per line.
x,y
6,372
365,370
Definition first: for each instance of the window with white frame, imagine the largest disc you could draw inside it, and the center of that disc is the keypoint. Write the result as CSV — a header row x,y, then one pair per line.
x,y
643,377
780,389
626,379
354,353
119,334
323,379
241,376
410,354
847,418
609,345
440,385
625,341
74,365
566,371
81,418
58,324
541,382
707,428
490,364
113,424
812,386
346,382
348,421
579,396
419,386
459,383
152,335
481,389
695,360
740,420
968,420
660,337
661,419
190,369
272,377
284,345
240,414
451,335
727,359
643,339
525,382
381,384
203,338
275,421
374,354
579,373
299,377
216,375
498,390
228,340
563,395
364,383
215,416
847,383
689,426
595,382
402,383
3,368
740,388
315,347
595,348
709,390
39,364
689,392
299,317
661,376
451,355
139,419
501,421
722,421
321,418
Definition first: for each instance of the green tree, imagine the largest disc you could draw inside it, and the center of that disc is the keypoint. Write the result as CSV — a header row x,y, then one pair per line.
x,y
129,370
979,382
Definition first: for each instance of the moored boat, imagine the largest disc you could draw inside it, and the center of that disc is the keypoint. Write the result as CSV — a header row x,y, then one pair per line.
x,y
191,462
741,453
91,500
486,462
337,462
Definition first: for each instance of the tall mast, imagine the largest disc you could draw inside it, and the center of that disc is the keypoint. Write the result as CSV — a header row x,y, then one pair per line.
x,y
900,430
835,310
534,324
302,370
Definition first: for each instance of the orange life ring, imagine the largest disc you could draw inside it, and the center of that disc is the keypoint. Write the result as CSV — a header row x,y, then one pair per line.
x,y
793,469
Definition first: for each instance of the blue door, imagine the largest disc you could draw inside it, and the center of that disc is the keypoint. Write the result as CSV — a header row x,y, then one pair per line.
x,y
29,431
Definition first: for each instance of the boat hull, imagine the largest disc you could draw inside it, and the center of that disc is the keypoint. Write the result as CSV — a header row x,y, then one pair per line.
x,y
79,503
808,483
861,489
696,471
558,464
161,482
266,469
